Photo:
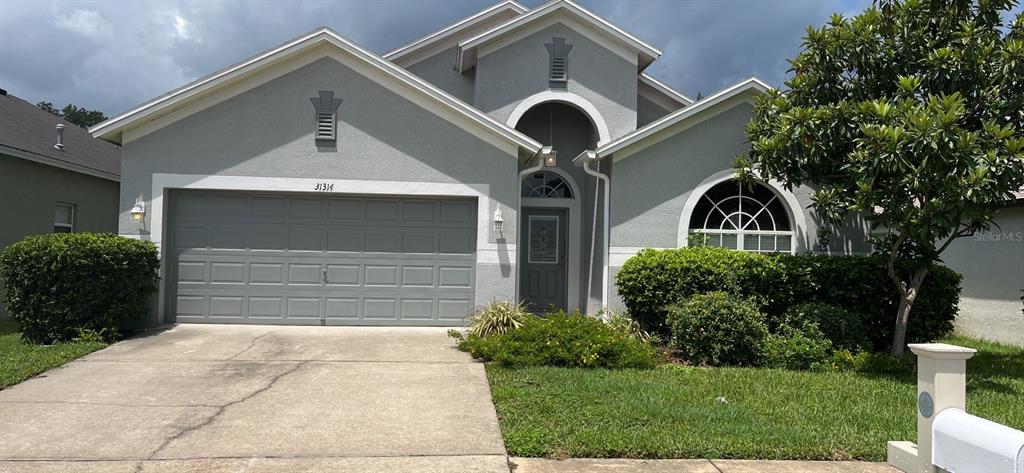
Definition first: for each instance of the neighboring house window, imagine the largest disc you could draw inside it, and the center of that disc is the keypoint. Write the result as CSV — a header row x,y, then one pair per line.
x,y
733,215
558,66
64,218
546,185
326,107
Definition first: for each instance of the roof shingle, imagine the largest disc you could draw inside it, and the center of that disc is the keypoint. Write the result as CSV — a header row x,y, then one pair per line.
x,y
28,129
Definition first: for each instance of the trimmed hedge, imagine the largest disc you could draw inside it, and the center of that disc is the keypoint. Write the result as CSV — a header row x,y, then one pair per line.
x,y
653,280
58,285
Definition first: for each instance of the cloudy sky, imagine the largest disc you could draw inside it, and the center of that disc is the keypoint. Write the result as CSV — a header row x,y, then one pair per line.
x,y
111,55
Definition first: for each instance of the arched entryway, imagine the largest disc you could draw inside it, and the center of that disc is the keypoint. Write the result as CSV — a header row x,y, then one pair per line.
x,y
554,227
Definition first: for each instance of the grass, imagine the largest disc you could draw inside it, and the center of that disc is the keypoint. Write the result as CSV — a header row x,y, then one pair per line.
x,y
677,412
20,360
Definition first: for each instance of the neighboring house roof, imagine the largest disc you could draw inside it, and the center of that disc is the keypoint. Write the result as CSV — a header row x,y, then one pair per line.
x,y
646,82
28,132
468,48
431,97
436,41
651,133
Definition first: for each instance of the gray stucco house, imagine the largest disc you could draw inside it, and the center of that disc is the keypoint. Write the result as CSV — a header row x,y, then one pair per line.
x,y
516,154
47,185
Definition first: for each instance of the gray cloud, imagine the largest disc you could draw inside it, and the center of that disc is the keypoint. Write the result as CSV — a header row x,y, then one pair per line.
x,y
112,55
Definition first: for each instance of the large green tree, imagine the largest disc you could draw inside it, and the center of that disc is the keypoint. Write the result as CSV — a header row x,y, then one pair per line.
x,y
908,115
78,115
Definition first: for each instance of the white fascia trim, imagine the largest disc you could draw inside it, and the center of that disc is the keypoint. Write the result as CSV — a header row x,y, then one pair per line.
x,y
49,161
544,10
793,208
752,84
112,128
426,41
659,86
570,98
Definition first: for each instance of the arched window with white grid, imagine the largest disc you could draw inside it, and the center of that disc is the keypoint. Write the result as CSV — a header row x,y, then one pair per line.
x,y
742,217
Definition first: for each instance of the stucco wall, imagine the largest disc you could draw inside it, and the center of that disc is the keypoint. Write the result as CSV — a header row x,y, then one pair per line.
x,y
992,264
267,132
508,75
648,111
650,188
29,193
440,70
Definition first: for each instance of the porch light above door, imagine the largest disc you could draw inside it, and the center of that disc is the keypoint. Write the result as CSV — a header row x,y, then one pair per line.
x,y
551,159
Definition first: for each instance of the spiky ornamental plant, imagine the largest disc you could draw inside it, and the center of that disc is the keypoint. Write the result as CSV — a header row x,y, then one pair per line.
x,y
908,115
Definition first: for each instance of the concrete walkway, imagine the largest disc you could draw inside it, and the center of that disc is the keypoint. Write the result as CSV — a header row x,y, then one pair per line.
x,y
587,465
255,399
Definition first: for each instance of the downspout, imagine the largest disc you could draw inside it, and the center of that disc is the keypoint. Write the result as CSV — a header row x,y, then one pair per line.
x,y
585,159
539,157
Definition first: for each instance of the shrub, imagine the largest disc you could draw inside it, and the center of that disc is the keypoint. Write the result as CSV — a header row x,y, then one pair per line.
x,y
653,280
61,285
843,328
797,347
718,329
560,339
622,322
497,318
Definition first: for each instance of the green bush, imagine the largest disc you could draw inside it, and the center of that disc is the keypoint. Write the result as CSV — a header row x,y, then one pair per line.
x,y
718,328
845,329
653,280
61,285
497,318
798,347
560,339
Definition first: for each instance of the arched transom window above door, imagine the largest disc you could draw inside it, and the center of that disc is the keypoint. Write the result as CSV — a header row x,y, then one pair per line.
x,y
738,216
546,185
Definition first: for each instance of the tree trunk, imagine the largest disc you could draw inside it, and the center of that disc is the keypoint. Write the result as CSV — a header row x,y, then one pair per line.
x,y
908,294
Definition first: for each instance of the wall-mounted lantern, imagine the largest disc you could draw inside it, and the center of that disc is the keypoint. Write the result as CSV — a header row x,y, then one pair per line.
x,y
498,221
138,211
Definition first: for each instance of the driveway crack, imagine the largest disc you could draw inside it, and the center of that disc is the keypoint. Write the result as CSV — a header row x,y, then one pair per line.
x,y
221,409
252,344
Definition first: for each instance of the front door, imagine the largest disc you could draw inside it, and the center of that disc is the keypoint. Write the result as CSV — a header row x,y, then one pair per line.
x,y
542,260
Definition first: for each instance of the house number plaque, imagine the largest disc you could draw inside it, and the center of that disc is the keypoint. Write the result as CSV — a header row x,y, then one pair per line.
x,y
324,187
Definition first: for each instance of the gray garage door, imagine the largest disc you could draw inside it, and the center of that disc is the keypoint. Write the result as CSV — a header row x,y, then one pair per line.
x,y
305,259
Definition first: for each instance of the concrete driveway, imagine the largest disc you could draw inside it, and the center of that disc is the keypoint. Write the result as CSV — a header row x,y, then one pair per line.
x,y
240,398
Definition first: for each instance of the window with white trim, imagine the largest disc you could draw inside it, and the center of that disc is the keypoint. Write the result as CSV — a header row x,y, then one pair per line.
x,y
747,218
64,218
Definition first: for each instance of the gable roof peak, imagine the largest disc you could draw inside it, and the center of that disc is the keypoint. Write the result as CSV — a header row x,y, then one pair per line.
x,y
646,54
440,101
425,46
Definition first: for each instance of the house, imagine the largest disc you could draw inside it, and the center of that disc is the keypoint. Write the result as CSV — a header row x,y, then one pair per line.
x,y
517,154
54,176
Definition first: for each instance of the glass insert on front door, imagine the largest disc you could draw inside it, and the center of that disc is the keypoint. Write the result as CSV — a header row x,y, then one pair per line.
x,y
543,233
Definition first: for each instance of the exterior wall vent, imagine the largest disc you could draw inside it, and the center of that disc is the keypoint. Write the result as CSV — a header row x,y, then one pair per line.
x,y
326,116
558,66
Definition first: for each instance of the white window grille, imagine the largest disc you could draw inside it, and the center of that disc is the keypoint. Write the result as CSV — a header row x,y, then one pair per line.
x,y
733,215
64,218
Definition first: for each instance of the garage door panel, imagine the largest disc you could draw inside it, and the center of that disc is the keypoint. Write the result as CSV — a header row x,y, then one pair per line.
x,y
268,258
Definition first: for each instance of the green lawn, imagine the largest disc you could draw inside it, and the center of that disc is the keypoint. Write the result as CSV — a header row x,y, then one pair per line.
x,y
20,361
672,412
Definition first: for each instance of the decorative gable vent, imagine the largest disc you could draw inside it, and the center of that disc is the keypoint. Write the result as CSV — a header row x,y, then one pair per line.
x,y
326,115
558,50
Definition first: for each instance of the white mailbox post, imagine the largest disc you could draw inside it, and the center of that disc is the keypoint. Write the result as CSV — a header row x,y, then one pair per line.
x,y
941,384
